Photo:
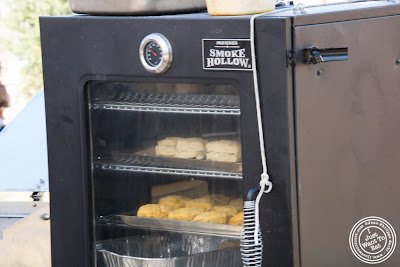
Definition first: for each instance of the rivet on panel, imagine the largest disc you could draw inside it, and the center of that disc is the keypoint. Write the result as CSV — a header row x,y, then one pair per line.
x,y
319,72
45,216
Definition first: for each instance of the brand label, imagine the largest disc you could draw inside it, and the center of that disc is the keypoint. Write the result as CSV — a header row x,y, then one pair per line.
x,y
227,54
372,240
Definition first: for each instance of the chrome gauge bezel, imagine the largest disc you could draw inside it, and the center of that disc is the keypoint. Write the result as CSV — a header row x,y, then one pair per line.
x,y
166,49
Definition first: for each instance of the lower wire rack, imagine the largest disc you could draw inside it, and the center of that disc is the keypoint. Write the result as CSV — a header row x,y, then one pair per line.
x,y
211,229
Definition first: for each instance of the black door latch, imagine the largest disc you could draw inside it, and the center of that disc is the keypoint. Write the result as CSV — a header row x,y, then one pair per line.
x,y
315,55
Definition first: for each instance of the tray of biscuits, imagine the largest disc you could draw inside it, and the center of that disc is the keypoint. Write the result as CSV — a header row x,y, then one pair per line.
x,y
214,214
183,226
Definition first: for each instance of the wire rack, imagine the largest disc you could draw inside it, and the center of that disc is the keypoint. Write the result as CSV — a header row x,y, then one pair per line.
x,y
171,103
230,231
144,164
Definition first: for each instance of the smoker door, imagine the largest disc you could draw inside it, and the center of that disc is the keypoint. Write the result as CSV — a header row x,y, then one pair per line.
x,y
348,153
166,173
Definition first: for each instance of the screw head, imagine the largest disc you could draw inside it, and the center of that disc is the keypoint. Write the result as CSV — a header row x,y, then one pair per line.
x,y
34,205
398,62
319,72
45,216
41,181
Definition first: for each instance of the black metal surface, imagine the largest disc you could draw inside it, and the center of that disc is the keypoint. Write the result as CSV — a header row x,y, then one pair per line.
x,y
278,208
347,137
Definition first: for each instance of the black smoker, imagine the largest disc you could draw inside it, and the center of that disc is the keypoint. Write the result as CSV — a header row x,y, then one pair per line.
x,y
117,88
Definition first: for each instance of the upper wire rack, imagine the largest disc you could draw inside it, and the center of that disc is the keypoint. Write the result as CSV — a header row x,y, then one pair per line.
x,y
171,103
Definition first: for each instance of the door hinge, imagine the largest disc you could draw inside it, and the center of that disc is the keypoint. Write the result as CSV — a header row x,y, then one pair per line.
x,y
290,58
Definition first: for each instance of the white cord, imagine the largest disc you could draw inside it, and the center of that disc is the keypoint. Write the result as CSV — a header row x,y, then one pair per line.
x,y
265,183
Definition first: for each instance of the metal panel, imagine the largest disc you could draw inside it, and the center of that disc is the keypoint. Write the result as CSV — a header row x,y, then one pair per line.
x,y
278,209
23,161
348,124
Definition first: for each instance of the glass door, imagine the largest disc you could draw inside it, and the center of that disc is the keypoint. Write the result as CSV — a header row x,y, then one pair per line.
x,y
166,173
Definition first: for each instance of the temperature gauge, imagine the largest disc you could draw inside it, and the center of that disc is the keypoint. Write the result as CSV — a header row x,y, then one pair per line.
x,y
156,53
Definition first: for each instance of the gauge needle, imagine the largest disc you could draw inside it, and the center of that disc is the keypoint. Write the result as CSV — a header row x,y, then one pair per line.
x,y
152,52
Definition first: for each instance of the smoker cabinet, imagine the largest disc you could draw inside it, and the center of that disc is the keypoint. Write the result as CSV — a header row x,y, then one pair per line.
x,y
329,88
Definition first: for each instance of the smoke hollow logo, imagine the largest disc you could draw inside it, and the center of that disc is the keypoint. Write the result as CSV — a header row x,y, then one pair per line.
x,y
227,54
372,240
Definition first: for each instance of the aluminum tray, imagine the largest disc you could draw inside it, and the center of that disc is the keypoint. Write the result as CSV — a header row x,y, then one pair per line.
x,y
135,7
169,250
230,231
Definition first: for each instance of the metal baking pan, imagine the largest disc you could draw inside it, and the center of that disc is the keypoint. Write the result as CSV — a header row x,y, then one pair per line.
x,y
231,231
169,250
136,7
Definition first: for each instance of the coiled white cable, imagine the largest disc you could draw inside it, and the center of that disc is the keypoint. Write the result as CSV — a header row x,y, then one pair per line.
x,y
265,183
251,253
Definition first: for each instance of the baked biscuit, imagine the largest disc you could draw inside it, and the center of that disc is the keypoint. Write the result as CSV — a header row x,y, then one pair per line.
x,y
154,211
174,201
224,150
169,141
188,148
166,151
167,147
237,202
225,157
190,154
228,210
237,219
185,214
211,217
191,144
224,146
203,203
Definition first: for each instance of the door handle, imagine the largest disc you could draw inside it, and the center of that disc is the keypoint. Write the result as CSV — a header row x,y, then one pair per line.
x,y
315,55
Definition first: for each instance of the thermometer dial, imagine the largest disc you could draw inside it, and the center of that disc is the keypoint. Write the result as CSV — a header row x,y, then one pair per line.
x,y
153,54
156,53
